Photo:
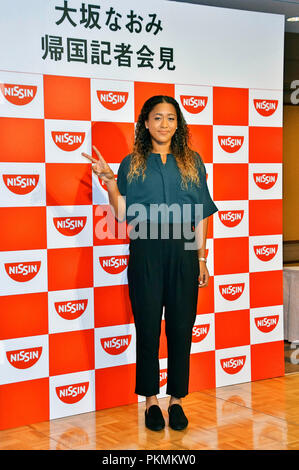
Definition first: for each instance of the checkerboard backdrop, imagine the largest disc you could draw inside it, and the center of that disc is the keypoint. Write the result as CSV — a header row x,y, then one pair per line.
x,y
66,326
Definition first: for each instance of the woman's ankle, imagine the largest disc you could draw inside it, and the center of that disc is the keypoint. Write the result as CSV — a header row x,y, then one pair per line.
x,y
151,401
175,401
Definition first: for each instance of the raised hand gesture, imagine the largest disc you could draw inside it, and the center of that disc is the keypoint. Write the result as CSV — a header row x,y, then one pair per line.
x,y
100,167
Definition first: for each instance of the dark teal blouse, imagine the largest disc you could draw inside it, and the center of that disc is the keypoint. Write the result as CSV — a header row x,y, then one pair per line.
x,y
162,185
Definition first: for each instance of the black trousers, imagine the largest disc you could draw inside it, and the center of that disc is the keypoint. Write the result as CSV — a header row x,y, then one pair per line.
x,y
161,272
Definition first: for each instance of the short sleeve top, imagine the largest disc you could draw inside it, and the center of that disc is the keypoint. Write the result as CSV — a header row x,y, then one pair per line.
x,y
162,186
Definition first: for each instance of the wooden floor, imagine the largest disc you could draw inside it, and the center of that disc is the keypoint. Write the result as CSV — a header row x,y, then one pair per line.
x,y
257,415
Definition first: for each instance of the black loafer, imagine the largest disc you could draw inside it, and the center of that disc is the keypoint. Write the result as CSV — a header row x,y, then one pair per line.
x,y
177,418
154,418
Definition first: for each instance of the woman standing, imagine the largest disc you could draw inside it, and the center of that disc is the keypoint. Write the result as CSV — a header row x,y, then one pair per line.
x,y
162,172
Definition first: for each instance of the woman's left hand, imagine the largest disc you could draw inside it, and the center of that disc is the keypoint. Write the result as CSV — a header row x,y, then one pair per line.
x,y
203,278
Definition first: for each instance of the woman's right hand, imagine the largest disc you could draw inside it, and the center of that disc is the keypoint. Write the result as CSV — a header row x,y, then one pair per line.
x,y
100,167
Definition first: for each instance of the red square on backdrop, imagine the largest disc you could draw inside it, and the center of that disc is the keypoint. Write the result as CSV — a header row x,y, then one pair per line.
x,y
23,403
265,217
230,106
23,315
231,255
114,140
70,268
71,352
265,144
201,140
23,228
210,227
230,181
112,306
105,224
205,302
22,140
163,351
68,185
202,371
108,395
67,98
267,360
266,288
144,91
232,329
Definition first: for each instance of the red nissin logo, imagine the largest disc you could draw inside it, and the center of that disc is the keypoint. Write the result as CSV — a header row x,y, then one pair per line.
x,y
22,272
229,143
265,107
114,264
194,104
68,141
266,324
265,180
71,309
231,218
69,226
232,291
163,377
24,358
233,365
72,393
18,94
21,184
199,332
265,252
116,344
112,100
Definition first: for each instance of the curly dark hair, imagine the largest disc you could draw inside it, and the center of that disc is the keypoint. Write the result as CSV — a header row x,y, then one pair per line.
x,y
188,161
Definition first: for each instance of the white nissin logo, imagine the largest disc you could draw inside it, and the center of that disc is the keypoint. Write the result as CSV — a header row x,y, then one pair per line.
x,y
265,105
69,139
71,307
112,98
194,102
231,142
116,343
21,181
72,224
72,391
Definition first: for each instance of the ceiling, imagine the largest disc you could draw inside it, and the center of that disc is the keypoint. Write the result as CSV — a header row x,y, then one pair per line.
x,y
288,8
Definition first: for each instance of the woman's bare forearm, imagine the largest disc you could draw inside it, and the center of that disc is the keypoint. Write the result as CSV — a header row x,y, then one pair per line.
x,y
116,200
201,231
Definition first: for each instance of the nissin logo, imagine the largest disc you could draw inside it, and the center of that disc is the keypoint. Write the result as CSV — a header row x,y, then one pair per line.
x,y
230,144
199,332
232,292
112,100
21,184
22,272
231,218
68,141
265,107
72,393
116,344
18,95
265,252
265,180
266,324
24,358
163,377
114,264
69,226
233,365
71,309
194,104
